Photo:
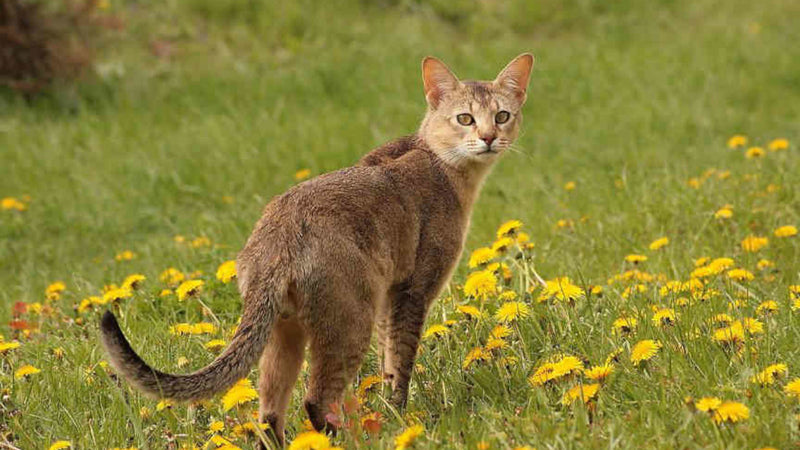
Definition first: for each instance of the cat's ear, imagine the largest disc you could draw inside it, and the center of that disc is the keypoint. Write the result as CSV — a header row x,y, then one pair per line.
x,y
516,74
438,80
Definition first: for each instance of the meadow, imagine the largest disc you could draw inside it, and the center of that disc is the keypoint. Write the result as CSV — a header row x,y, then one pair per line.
x,y
654,188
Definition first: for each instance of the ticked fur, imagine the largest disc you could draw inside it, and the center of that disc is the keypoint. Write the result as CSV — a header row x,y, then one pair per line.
x,y
336,255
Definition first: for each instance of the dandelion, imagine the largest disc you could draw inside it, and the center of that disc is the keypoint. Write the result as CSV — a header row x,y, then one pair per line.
x,y
737,141
302,174
778,144
730,335
408,436
242,392
560,289
476,354
585,392
752,326
60,445
731,412
511,311
599,373
624,325
564,223
509,228
6,347
767,307
754,152
164,404
11,203
635,259
481,256
116,294
216,426
664,317
125,255
767,376
740,275
785,231
501,245
310,440
172,276
226,271
165,293
764,264
367,384
753,244
644,351
724,213
25,371
480,284
53,291
215,345
470,311
437,330
659,243
570,186
550,371
494,343
201,241
189,288
708,404
792,388
500,331
794,291
133,281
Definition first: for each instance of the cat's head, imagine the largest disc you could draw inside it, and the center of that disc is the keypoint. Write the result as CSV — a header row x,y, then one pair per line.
x,y
472,122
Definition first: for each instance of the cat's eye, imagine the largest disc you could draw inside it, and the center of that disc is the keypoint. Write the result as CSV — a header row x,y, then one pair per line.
x,y
502,117
465,119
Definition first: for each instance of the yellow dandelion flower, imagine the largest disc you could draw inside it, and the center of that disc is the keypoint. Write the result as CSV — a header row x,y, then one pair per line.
x,y
189,288
481,256
624,325
509,228
172,276
53,291
736,141
117,294
659,243
778,144
730,335
560,289
6,347
785,231
164,404
125,255
165,293
570,186
767,307
599,373
752,326
731,412
511,311
792,388
216,426
201,241
470,311
226,271
500,331
11,203
740,275
408,436
767,376
475,355
721,319
794,291
564,223
494,343
754,152
754,243
664,317
133,281
242,392
550,371
585,392
635,259
310,440
764,264
480,284
437,330
25,371
723,213
644,350
60,445
708,404
367,384
302,174
501,245
215,345
524,238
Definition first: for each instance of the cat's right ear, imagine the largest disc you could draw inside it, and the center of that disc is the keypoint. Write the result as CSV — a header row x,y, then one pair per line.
x,y
437,79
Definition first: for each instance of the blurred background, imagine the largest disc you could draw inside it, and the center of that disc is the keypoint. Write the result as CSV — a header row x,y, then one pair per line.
x,y
124,123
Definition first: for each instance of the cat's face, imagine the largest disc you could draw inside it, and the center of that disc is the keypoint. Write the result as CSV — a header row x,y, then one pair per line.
x,y
472,122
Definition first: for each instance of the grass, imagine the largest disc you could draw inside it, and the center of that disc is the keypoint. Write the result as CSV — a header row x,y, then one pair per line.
x,y
628,100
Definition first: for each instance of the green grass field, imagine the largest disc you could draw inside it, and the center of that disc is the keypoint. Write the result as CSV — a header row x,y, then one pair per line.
x,y
632,101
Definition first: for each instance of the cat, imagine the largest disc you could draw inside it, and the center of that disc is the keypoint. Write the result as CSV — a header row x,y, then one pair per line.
x,y
366,247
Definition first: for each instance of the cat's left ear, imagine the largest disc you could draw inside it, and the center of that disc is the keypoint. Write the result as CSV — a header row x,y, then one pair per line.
x,y
516,74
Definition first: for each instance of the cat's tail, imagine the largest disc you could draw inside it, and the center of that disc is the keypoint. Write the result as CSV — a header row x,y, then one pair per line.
x,y
258,316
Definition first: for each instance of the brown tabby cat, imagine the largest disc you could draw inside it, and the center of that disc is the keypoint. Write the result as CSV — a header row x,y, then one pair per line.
x,y
338,254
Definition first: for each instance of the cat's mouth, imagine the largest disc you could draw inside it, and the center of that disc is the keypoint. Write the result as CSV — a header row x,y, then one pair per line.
x,y
488,150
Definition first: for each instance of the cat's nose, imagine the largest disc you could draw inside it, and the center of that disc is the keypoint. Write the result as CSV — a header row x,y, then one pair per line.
x,y
488,140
